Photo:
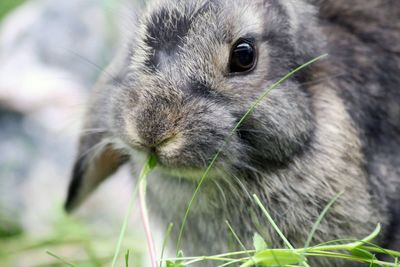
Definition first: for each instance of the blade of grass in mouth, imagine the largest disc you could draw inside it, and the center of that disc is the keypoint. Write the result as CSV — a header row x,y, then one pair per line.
x,y
147,168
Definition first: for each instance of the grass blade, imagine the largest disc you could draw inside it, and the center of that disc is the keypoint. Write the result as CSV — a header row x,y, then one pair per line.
x,y
274,257
320,218
239,241
272,222
61,259
237,237
127,258
146,222
166,238
150,164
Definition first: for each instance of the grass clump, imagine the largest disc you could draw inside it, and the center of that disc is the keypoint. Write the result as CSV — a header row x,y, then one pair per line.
x,y
361,251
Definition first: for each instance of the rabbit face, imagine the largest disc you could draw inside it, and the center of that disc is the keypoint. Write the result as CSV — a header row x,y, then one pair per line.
x,y
190,73
197,69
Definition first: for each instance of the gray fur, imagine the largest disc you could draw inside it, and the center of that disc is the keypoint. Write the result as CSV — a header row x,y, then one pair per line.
x,y
334,127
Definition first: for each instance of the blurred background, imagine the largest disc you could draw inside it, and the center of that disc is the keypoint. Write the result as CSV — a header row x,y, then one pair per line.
x,y
51,53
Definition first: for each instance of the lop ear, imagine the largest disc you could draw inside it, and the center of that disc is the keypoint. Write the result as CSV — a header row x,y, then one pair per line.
x,y
94,164
98,156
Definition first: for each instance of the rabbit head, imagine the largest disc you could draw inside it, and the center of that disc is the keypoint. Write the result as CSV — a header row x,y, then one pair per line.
x,y
188,75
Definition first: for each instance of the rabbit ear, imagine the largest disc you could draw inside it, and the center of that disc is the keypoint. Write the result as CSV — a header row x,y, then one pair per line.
x,y
95,163
99,156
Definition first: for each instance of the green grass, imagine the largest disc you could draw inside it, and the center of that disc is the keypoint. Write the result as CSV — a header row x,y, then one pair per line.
x,y
70,240
361,251
8,227
76,242
8,5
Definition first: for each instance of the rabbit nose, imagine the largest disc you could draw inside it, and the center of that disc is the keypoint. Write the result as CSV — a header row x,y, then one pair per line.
x,y
152,141
154,135
159,121
160,143
166,145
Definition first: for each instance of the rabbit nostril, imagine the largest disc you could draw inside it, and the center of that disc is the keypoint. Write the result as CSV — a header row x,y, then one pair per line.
x,y
164,142
170,145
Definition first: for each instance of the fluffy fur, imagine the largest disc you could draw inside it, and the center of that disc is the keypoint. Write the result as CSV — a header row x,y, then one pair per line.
x,y
331,128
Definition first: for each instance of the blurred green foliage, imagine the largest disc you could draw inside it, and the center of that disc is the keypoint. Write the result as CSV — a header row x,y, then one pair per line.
x,y
81,244
8,228
7,5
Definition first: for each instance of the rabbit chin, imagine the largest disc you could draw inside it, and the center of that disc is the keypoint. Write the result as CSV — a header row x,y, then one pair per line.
x,y
190,174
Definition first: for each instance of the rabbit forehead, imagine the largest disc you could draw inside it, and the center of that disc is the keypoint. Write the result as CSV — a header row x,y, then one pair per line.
x,y
172,30
177,17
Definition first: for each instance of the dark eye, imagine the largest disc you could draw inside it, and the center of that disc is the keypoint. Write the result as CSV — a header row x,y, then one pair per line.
x,y
243,56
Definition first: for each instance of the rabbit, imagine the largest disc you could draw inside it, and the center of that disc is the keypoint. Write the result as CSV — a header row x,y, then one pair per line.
x,y
192,69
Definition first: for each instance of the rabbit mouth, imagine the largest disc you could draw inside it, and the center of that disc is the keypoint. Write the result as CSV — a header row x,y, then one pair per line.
x,y
175,153
176,165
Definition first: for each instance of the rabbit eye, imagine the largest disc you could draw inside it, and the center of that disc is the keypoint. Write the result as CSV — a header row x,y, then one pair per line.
x,y
243,56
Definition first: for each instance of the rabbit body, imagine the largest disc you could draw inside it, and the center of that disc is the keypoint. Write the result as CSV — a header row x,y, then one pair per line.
x,y
331,128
